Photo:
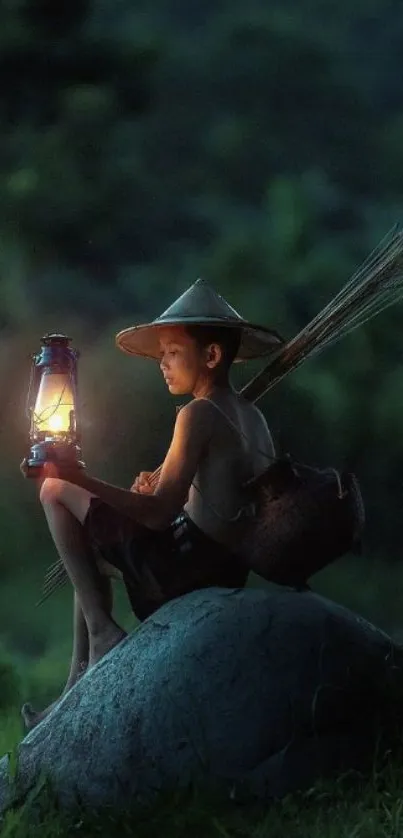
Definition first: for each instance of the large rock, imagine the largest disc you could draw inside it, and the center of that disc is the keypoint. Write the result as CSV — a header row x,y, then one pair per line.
x,y
263,691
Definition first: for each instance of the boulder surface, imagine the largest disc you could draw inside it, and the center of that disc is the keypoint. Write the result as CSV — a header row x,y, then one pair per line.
x,y
254,690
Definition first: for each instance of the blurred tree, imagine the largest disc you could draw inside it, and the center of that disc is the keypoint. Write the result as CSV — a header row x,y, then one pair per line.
x,y
142,146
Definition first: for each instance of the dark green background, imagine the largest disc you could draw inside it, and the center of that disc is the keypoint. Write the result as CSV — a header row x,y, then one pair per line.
x,y
142,145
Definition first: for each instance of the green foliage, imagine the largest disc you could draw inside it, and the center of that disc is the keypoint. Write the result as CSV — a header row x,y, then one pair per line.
x,y
353,805
10,682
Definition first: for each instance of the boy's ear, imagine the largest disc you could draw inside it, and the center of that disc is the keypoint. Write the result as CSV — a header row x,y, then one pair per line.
x,y
213,355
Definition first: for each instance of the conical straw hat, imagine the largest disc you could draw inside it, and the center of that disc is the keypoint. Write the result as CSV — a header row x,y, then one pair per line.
x,y
199,305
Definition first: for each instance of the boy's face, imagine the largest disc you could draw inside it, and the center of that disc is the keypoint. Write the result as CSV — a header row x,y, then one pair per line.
x,y
183,364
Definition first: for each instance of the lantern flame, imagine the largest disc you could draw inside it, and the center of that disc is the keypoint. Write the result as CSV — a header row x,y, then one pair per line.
x,y
56,423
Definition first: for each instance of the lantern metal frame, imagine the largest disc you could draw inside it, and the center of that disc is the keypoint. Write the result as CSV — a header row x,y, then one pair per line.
x,y
61,447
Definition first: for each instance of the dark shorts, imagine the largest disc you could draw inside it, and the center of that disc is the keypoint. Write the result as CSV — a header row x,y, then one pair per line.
x,y
160,565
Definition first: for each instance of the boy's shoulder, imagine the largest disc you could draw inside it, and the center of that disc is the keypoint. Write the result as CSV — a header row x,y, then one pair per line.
x,y
202,412
195,417
193,410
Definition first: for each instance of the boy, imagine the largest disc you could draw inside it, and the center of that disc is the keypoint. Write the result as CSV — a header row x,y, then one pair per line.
x,y
179,533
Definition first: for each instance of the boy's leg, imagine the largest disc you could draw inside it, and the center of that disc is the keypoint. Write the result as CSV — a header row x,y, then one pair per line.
x,y
95,632
80,656
79,659
65,507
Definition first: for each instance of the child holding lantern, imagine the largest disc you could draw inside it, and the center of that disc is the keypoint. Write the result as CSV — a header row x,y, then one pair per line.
x,y
177,530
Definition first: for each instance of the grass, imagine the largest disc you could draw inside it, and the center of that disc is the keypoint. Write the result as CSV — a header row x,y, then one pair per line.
x,y
350,807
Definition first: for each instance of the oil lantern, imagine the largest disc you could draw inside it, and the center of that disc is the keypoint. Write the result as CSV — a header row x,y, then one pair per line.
x,y
52,405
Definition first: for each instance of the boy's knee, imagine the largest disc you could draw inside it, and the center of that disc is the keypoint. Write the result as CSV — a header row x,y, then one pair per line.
x,y
51,490
75,499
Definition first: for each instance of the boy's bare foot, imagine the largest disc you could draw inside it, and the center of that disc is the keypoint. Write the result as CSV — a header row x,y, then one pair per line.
x,y
103,642
32,717
100,644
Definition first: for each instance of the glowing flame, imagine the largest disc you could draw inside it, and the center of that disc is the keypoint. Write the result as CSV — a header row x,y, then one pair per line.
x,y
55,423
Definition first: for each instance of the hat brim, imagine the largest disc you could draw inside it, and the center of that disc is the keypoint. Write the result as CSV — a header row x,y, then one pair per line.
x,y
143,340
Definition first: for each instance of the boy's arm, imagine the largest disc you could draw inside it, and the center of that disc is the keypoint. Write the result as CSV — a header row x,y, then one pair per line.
x,y
193,428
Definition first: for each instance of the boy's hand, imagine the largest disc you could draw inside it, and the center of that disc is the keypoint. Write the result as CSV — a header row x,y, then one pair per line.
x,y
38,473
143,484
70,473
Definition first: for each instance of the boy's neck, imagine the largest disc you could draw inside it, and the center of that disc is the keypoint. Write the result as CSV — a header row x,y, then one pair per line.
x,y
208,389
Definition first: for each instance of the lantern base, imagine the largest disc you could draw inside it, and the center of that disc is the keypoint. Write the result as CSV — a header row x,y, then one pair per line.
x,y
53,451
